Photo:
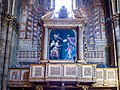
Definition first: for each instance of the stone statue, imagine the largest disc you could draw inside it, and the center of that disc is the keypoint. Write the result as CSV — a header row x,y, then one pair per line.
x,y
63,12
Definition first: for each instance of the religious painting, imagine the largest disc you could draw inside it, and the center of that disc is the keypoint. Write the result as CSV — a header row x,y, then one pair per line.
x,y
62,44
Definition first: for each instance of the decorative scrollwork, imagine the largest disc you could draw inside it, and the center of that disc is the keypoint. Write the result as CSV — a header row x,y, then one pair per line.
x,y
40,45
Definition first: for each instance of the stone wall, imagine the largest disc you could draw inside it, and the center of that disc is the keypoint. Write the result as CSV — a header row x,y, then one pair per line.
x,y
9,27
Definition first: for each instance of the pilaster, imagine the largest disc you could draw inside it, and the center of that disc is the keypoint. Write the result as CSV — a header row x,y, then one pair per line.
x,y
8,24
116,30
80,45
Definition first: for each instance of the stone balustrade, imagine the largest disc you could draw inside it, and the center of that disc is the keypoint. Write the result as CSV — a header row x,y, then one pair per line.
x,y
63,72
27,54
18,77
51,72
106,77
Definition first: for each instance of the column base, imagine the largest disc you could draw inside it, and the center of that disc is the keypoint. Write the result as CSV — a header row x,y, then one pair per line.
x,y
81,61
44,61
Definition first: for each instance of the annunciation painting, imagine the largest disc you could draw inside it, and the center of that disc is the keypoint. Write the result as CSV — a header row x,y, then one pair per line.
x,y
62,44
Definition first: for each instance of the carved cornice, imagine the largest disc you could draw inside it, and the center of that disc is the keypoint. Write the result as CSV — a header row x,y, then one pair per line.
x,y
63,23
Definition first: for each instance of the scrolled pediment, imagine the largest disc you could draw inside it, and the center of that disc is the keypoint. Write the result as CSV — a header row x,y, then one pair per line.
x,y
48,15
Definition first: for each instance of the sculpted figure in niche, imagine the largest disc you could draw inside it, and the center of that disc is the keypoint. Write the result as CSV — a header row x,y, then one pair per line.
x,y
63,12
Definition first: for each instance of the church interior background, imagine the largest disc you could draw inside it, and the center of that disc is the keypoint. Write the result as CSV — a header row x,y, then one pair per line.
x,y
60,45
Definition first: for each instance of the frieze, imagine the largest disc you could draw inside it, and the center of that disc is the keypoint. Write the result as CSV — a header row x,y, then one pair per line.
x,y
53,79
61,27
63,24
60,22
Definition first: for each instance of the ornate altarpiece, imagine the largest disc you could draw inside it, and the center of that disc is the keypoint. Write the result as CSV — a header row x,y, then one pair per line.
x,y
62,70
63,38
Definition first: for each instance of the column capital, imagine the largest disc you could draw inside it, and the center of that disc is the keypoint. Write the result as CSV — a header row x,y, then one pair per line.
x,y
45,46
80,28
45,29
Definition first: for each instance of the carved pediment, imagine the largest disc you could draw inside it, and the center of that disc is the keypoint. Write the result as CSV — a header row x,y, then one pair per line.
x,y
75,15
48,15
51,21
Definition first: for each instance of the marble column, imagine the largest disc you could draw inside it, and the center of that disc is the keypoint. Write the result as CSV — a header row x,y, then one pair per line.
x,y
116,34
73,4
118,6
9,25
6,58
45,51
113,6
3,10
52,3
80,44
8,36
13,7
2,52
